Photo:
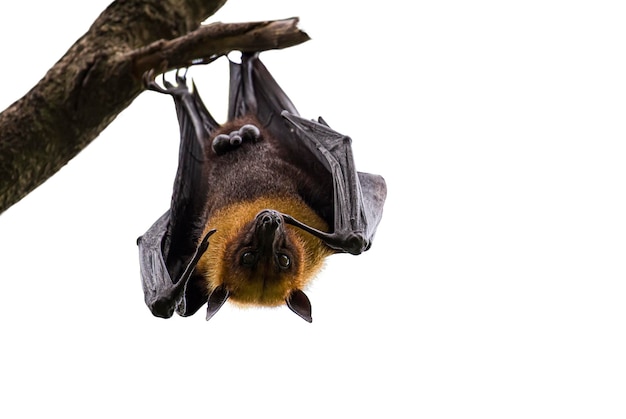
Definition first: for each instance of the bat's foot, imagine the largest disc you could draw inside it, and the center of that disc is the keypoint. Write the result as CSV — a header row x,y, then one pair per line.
x,y
224,143
180,88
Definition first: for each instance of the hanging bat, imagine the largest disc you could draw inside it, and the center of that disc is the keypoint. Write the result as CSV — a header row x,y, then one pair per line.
x,y
273,193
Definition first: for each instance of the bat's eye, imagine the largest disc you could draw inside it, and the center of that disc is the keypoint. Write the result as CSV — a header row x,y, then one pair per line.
x,y
248,259
284,261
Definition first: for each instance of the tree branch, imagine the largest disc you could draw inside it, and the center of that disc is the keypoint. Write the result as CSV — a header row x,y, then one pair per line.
x,y
207,42
101,74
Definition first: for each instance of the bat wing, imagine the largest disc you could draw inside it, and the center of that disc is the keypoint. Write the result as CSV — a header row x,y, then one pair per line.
x,y
356,199
253,90
169,250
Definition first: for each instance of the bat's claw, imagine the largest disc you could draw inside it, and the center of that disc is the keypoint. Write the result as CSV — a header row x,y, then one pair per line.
x,y
149,81
181,79
356,243
161,294
178,89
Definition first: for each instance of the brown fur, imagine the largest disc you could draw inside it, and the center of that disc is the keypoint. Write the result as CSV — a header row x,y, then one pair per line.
x,y
265,285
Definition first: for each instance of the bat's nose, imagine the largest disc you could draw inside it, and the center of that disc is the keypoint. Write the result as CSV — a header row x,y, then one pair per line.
x,y
268,219
268,223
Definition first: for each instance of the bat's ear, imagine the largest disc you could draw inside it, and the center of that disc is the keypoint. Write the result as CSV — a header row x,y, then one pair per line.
x,y
216,300
299,303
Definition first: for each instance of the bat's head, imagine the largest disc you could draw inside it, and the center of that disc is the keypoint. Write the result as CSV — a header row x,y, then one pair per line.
x,y
259,260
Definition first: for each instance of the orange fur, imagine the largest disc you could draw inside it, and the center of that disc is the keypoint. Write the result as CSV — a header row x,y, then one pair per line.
x,y
266,285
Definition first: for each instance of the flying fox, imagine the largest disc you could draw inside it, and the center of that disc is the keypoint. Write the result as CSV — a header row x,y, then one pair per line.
x,y
258,202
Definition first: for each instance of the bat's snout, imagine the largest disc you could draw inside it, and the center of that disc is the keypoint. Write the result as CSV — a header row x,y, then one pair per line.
x,y
268,224
269,219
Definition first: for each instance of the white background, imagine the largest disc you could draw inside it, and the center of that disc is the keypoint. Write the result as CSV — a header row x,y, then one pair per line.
x,y
495,286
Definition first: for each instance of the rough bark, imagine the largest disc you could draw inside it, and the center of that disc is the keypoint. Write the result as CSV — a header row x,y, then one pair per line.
x,y
101,74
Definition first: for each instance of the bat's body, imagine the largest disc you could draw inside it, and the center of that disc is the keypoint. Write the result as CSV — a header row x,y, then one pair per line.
x,y
265,189
254,178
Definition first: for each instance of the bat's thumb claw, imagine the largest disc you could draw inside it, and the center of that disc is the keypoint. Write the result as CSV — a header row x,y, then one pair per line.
x,y
356,243
161,308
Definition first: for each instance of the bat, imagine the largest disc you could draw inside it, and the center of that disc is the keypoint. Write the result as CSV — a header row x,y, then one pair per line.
x,y
258,202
